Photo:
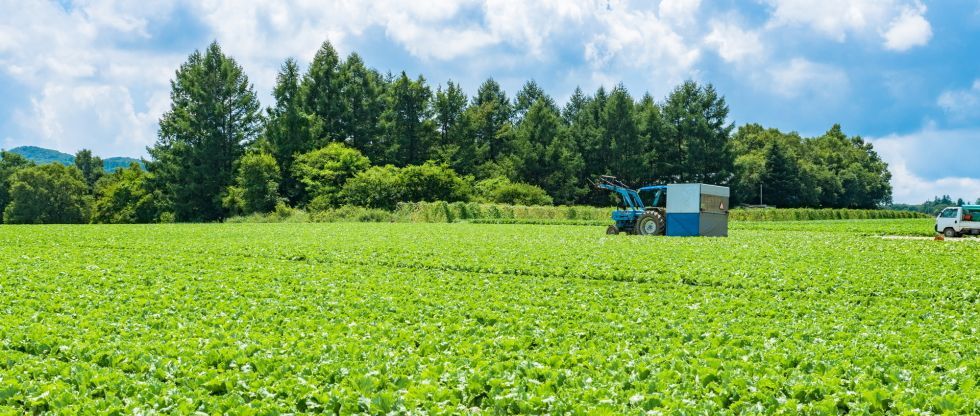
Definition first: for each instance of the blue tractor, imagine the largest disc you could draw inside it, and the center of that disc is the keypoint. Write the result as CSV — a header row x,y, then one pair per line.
x,y
641,211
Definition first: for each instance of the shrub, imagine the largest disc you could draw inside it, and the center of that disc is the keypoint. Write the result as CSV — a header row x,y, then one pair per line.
x,y
502,191
376,187
432,182
385,186
125,197
256,186
323,172
48,194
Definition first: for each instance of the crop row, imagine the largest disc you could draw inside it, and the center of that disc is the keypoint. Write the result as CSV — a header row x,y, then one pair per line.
x,y
456,318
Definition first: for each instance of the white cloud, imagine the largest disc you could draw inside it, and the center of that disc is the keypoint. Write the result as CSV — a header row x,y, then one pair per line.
x,y
801,77
733,43
102,117
899,22
679,11
908,30
81,86
640,40
932,162
961,104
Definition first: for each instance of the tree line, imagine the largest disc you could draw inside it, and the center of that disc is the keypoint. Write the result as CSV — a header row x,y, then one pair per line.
x,y
342,133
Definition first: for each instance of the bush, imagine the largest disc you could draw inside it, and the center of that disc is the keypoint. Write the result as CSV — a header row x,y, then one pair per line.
x,y
377,187
256,186
323,172
125,197
48,194
432,182
502,191
385,186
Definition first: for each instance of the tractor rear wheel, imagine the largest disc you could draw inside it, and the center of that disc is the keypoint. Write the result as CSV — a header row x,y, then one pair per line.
x,y
650,223
612,230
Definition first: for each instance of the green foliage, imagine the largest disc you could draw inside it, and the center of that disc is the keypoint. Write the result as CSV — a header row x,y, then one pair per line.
x,y
91,167
47,194
781,177
324,171
932,207
397,120
213,114
465,318
385,186
126,197
808,214
10,163
407,124
454,146
695,145
362,95
321,99
287,129
256,186
432,182
376,187
503,191
489,116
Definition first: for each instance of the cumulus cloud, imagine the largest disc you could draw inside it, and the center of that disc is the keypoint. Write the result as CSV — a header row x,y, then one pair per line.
x,y
961,104
899,22
801,77
85,90
679,11
640,40
932,162
908,30
733,43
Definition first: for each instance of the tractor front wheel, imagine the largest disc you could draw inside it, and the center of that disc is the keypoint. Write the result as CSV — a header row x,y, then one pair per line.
x,y
650,223
612,230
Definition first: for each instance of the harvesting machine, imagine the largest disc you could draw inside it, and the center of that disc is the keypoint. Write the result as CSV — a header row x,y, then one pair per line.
x,y
686,209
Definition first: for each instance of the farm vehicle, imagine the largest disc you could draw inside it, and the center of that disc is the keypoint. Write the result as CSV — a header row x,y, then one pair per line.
x,y
688,209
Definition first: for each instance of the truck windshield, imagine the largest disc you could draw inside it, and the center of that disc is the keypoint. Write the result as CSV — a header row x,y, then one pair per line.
x,y
949,213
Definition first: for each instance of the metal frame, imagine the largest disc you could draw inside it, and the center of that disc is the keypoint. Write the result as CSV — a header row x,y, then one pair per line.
x,y
633,205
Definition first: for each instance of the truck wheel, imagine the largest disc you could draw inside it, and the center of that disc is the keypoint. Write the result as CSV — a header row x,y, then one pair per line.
x,y
612,230
950,233
650,223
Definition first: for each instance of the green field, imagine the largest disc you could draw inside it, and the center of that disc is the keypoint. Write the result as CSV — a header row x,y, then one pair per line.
x,y
463,318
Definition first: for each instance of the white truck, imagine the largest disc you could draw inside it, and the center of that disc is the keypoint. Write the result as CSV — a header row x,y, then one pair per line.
x,y
958,221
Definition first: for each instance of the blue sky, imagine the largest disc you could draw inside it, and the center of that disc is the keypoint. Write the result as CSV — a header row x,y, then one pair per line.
x,y
904,74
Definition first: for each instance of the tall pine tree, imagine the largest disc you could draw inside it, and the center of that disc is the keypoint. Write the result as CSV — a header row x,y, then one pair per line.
x,y
454,146
287,129
362,95
407,122
213,114
321,98
91,167
490,116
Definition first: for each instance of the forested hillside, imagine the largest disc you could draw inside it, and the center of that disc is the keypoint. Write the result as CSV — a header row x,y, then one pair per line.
x,y
44,156
342,133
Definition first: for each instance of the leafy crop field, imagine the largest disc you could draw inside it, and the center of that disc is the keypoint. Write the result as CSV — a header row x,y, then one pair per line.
x,y
470,318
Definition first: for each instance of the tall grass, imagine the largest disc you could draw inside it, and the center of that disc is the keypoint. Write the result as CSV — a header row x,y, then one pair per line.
x,y
812,214
545,214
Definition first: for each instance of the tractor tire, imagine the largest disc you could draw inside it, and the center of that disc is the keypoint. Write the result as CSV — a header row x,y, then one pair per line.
x,y
650,223
950,233
612,230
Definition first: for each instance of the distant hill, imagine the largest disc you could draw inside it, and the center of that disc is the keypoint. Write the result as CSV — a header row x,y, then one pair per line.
x,y
44,156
